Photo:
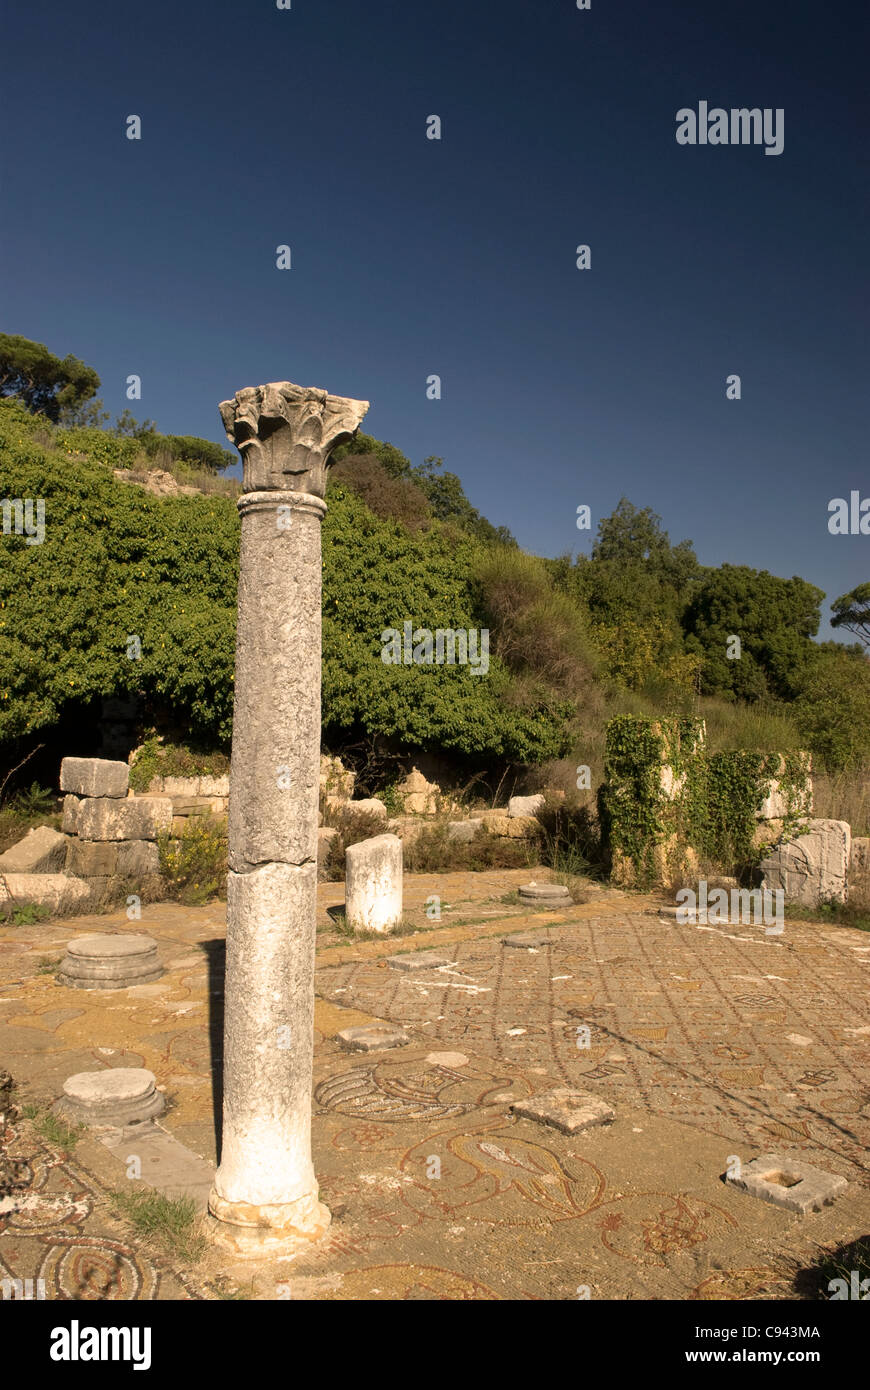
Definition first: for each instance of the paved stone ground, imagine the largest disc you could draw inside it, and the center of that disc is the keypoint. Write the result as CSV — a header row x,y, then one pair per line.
x,y
709,1042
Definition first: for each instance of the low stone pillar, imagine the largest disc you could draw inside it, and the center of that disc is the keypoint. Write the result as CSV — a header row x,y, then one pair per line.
x,y
110,962
265,1195
115,1098
373,884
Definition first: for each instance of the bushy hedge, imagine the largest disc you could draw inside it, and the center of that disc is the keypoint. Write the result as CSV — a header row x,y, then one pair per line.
x,y
117,563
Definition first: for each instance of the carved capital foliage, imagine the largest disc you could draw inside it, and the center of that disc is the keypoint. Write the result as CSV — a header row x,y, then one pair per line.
x,y
286,433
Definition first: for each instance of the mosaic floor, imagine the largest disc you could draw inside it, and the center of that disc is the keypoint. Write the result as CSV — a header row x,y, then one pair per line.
x,y
709,1043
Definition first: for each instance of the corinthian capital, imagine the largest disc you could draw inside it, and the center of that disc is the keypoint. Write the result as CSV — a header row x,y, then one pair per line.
x,y
286,433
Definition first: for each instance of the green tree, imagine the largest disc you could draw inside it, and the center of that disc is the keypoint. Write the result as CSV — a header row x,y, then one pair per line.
x,y
442,490
117,562
852,611
51,386
377,576
774,620
633,537
129,427
634,588
832,708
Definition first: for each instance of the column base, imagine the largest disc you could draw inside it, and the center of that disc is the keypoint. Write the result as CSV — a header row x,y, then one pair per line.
x,y
258,1232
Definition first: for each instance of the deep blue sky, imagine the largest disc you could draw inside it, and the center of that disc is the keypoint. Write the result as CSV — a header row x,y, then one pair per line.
x,y
411,257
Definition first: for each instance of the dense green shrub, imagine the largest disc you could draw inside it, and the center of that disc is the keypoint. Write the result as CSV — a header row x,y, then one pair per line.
x,y
115,563
376,577
628,628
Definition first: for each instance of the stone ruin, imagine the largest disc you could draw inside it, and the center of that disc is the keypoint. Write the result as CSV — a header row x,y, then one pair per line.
x,y
813,867
108,836
810,860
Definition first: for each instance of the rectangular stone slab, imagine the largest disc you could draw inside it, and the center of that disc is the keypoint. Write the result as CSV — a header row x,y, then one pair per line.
x,y
94,777
166,1164
56,892
763,1177
568,1111
42,851
93,858
135,818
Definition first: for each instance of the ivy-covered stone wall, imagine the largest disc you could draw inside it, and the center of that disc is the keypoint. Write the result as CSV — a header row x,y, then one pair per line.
x,y
667,801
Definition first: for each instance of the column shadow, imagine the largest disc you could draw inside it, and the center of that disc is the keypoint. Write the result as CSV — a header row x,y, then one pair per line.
x,y
215,952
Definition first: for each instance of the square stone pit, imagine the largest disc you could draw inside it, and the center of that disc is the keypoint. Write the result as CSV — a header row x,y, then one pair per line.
x,y
788,1182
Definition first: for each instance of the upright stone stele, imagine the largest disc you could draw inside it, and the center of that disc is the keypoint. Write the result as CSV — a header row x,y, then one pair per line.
x,y
265,1194
373,884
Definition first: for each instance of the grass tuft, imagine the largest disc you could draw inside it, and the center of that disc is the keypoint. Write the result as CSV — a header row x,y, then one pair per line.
x,y
170,1222
52,1128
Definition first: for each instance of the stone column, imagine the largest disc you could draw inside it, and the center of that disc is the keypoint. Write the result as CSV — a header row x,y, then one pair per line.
x,y
265,1195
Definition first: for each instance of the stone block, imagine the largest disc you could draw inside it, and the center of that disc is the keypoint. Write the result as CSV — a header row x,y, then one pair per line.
x,y
136,818
566,1110
775,805
110,961
215,786
69,824
42,851
138,859
373,884
672,786
93,858
419,796
511,827
371,1037
406,827
859,858
94,777
179,786
463,830
525,805
335,779
58,893
813,867
788,1182
115,1098
369,806
197,806
420,960
326,838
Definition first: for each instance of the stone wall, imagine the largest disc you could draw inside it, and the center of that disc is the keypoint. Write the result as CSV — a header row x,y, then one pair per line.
x,y
108,837
112,832
192,797
669,803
